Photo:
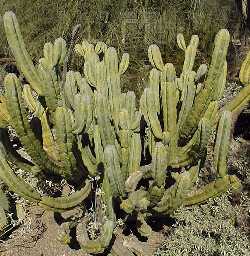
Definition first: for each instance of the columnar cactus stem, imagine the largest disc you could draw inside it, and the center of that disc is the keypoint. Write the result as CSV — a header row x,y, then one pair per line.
x,y
22,57
97,246
14,182
210,90
66,202
190,53
213,189
113,170
19,121
4,207
222,143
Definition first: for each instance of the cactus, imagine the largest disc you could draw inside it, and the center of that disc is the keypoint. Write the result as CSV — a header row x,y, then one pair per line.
x,y
4,207
87,129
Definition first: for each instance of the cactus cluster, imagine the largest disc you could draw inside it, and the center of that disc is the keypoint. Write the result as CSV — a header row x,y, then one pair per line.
x,y
86,127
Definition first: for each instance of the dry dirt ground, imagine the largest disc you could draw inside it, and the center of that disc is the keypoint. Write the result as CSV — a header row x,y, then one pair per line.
x,y
36,237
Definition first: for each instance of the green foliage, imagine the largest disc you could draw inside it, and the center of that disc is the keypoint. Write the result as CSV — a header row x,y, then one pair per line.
x,y
208,229
127,25
115,22
89,130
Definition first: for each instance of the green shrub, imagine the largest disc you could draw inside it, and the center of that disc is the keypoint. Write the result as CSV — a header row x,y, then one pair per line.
x,y
208,229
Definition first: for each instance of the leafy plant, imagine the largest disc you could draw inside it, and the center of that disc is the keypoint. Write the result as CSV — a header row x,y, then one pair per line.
x,y
145,161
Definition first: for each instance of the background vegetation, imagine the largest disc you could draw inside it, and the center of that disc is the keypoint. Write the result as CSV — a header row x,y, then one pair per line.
x,y
128,25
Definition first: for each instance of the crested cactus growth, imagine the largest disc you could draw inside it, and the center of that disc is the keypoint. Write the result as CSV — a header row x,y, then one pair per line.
x,y
89,130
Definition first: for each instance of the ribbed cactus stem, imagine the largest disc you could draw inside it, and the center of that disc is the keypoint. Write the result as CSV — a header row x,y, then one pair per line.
x,y
190,54
245,70
20,53
134,154
210,91
15,183
64,203
222,143
97,246
155,58
213,189
19,121
4,208
159,164
113,170
181,41
188,96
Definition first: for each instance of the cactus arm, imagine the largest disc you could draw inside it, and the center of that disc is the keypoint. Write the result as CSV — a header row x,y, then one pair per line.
x,y
171,126
64,138
181,41
155,58
100,47
54,54
202,70
136,200
174,196
245,69
224,182
144,229
195,148
49,144
210,90
64,203
124,63
243,97
103,119
4,114
107,198
50,86
13,157
146,104
222,143
239,101
113,170
133,180
83,114
134,154
19,121
70,88
98,245
14,182
218,58
159,164
98,145
87,158
4,206
188,97
222,81
190,53
213,189
154,77
3,219
22,57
